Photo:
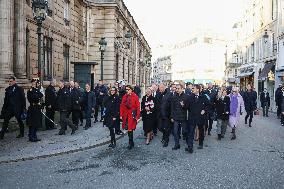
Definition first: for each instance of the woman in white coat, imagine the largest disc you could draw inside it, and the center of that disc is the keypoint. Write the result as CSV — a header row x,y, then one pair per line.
x,y
236,108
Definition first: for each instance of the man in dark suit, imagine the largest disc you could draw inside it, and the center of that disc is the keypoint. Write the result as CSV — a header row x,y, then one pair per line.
x,y
265,102
163,113
14,105
212,94
100,92
64,106
197,106
89,104
250,97
278,100
50,104
75,103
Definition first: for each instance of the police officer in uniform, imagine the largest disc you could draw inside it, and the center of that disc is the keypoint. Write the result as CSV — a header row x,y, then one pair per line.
x,y
14,105
34,118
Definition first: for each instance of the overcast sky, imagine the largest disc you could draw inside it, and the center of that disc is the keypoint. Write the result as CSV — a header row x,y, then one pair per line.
x,y
166,21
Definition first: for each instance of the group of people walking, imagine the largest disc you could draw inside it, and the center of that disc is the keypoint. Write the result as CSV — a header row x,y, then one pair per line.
x,y
185,112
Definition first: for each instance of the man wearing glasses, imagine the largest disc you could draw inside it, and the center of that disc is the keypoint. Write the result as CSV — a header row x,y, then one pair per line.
x,y
14,105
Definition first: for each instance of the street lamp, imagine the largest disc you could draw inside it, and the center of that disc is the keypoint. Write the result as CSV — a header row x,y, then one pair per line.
x,y
40,8
103,45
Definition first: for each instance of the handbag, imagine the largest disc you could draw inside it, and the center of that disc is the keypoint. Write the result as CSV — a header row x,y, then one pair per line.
x,y
134,114
256,112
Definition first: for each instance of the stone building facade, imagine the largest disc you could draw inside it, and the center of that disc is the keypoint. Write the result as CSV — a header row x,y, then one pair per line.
x,y
112,20
162,72
258,48
71,33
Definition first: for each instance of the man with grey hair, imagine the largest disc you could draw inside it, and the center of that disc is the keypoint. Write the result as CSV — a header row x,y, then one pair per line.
x,y
50,104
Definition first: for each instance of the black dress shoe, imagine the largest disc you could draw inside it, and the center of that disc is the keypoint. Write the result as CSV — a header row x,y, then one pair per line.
x,y
165,144
200,147
86,128
249,125
35,140
209,133
61,132
219,137
129,147
20,136
189,150
96,121
111,145
73,131
176,147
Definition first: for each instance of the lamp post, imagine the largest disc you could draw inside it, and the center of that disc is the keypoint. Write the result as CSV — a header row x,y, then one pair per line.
x,y
40,8
103,45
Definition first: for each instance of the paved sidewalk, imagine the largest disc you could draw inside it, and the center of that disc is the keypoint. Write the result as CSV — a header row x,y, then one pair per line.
x,y
52,144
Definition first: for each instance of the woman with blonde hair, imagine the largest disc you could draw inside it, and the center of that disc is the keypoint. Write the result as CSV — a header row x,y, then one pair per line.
x,y
236,108
149,114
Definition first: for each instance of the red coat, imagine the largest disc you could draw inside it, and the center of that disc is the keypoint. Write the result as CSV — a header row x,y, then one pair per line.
x,y
126,113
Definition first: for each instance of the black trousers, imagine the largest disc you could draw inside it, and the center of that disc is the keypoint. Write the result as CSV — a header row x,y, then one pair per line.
x,y
50,114
64,121
81,117
190,132
117,126
32,133
265,109
279,111
112,134
165,127
76,117
250,116
97,107
8,115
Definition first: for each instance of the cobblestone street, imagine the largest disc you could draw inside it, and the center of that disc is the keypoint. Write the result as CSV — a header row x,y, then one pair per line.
x,y
254,160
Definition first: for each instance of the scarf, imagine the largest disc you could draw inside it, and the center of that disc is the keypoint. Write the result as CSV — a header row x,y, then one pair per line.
x,y
128,102
234,105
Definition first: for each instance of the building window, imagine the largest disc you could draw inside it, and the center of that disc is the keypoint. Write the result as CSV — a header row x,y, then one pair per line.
x,y
50,7
28,53
128,79
274,8
47,57
66,12
66,62
117,67
123,68
133,73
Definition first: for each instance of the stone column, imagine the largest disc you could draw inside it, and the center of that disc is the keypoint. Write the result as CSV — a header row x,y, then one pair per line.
x,y
20,40
6,38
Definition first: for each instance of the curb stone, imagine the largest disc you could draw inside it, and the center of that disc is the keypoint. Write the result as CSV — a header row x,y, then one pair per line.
x,y
61,153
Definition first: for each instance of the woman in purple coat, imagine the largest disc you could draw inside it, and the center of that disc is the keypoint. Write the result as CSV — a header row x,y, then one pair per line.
x,y
236,108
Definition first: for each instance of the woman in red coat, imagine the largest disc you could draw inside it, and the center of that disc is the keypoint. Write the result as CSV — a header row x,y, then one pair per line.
x,y
130,113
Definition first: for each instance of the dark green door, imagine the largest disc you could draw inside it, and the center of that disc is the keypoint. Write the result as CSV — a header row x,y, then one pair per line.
x,y
82,74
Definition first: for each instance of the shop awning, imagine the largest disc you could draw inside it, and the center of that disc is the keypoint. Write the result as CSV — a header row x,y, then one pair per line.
x,y
266,70
231,80
245,74
85,63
